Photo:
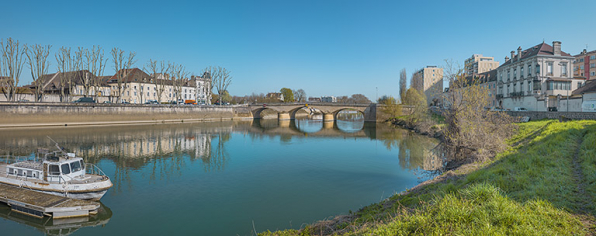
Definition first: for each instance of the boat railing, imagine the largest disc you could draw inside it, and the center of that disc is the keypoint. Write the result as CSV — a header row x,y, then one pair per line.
x,y
94,170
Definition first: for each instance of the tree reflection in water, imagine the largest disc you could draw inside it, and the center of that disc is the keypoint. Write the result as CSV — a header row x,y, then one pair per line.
x,y
167,148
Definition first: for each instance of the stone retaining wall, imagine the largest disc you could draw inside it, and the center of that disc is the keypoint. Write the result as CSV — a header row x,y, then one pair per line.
x,y
538,115
28,114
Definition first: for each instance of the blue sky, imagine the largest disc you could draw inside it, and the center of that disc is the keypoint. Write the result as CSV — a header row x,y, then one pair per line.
x,y
330,47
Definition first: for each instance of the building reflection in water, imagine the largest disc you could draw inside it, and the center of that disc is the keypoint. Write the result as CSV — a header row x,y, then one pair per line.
x,y
164,147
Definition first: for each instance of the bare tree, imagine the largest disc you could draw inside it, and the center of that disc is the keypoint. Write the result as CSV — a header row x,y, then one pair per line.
x,y
96,66
158,71
179,75
468,124
300,95
221,79
403,78
11,66
37,56
121,66
67,63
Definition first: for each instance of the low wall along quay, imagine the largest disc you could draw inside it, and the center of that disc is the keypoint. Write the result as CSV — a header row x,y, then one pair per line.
x,y
64,114
539,115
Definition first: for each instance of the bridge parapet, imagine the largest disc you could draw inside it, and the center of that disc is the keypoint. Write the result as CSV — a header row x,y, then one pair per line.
x,y
372,112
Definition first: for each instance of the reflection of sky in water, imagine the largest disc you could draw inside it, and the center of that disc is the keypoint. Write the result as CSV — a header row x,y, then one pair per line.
x,y
217,178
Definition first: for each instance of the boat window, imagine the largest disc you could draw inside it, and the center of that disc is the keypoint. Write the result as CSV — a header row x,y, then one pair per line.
x,y
54,170
65,169
10,170
82,164
75,166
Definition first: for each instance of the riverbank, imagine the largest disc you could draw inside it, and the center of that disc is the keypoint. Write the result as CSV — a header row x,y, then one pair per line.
x,y
18,115
542,185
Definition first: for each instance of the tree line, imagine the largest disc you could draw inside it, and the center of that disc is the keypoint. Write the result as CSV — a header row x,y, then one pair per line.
x,y
70,63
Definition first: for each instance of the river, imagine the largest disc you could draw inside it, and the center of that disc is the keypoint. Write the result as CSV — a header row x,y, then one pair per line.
x,y
229,178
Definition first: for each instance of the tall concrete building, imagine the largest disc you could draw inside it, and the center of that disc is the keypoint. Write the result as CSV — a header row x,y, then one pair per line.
x,y
478,64
584,65
429,80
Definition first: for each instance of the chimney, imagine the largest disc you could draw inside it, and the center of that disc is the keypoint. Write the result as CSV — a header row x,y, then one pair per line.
x,y
519,53
557,48
506,58
512,55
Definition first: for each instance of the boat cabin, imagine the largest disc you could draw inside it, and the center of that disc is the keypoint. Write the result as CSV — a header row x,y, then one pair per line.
x,y
54,168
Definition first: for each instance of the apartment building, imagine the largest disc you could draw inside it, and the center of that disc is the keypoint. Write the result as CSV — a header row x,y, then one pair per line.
x,y
139,87
429,81
537,78
584,65
478,64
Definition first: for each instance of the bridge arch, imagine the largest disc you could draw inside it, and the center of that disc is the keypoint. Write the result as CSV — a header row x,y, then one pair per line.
x,y
257,113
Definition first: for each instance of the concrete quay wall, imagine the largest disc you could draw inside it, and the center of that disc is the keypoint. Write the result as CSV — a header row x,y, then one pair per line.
x,y
64,114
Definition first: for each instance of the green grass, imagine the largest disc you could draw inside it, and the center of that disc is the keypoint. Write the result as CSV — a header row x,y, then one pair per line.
x,y
530,189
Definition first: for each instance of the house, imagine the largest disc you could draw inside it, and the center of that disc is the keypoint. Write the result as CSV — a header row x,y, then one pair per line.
x,y
588,96
537,78
277,96
202,87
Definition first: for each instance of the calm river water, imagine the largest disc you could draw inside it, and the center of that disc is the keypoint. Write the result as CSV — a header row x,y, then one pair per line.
x,y
220,178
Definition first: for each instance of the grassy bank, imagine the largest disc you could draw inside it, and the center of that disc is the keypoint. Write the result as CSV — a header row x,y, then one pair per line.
x,y
545,184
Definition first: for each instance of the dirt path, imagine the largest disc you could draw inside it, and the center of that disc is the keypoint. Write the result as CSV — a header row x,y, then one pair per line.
x,y
584,200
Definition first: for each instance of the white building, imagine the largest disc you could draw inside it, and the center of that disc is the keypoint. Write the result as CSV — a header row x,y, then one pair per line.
x,y
537,79
329,99
202,88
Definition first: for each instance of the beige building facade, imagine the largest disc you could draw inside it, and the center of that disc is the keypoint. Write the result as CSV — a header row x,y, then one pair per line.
x,y
478,64
537,79
429,81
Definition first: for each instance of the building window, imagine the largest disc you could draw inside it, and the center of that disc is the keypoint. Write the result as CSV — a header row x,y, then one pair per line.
x,y
593,57
537,70
529,86
515,73
549,68
521,72
529,70
592,65
581,67
564,69
579,84
581,60
593,73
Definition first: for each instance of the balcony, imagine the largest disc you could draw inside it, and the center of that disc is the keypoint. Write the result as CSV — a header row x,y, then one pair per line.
x,y
499,96
516,94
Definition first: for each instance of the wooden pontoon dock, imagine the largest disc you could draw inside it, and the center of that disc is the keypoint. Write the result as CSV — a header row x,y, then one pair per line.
x,y
38,204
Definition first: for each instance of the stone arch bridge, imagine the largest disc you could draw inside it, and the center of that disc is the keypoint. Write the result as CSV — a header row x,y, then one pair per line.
x,y
287,111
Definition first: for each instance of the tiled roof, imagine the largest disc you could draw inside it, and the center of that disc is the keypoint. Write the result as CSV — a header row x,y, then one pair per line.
x,y
132,75
589,87
540,49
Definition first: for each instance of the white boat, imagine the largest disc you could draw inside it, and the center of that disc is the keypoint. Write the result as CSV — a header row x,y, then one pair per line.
x,y
58,173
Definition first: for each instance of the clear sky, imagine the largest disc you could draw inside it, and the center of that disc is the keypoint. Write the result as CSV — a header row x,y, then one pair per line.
x,y
325,47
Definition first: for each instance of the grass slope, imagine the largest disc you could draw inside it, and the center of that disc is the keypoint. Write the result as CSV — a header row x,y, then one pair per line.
x,y
544,185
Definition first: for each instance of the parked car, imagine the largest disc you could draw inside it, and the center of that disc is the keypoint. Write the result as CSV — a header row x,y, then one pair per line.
x,y
519,109
151,102
85,100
